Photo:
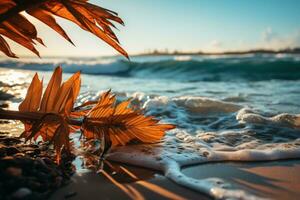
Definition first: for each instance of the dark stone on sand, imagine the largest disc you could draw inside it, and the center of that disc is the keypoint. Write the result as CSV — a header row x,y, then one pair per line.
x,y
48,161
70,194
43,176
14,171
4,105
24,161
34,184
28,171
19,155
205,153
21,193
5,96
9,140
7,161
11,151
2,150
58,181
41,163
4,121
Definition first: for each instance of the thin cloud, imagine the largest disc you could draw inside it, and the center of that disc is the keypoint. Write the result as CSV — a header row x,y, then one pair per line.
x,y
273,40
214,46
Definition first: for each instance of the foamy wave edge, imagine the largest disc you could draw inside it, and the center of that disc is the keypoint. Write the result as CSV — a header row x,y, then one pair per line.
x,y
214,187
173,153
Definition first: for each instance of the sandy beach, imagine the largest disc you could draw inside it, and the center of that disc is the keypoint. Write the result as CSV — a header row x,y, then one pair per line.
x,y
272,180
128,182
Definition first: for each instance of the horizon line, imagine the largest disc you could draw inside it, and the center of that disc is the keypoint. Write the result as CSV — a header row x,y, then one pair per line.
x,y
156,52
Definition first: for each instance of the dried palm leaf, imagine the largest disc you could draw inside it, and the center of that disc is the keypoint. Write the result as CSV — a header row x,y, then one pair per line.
x,y
118,124
52,117
56,106
89,17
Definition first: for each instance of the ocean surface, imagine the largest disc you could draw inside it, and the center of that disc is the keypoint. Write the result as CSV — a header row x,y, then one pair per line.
x,y
226,108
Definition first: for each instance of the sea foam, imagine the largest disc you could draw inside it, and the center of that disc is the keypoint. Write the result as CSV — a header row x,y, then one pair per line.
x,y
180,147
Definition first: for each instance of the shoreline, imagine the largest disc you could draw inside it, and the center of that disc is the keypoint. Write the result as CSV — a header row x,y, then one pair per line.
x,y
273,179
124,182
278,179
270,179
295,51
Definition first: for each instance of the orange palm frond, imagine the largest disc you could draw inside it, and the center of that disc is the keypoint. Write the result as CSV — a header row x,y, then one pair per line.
x,y
32,100
56,105
52,116
121,123
89,17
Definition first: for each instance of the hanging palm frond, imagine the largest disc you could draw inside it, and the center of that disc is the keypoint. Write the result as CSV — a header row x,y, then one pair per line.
x,y
15,26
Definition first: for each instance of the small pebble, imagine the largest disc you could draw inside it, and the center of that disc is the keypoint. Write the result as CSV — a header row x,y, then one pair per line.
x,y
14,171
70,194
58,181
205,153
11,151
4,105
21,193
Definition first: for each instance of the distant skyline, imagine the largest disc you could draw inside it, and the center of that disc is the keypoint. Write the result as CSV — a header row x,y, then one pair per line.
x,y
189,25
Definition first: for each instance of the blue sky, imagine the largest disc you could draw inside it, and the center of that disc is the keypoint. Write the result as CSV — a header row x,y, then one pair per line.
x,y
186,25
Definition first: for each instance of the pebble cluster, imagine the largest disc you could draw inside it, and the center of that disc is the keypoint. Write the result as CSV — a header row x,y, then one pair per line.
x,y
28,171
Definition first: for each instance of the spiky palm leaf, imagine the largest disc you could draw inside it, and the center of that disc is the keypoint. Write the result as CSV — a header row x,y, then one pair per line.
x,y
55,105
121,123
89,17
104,120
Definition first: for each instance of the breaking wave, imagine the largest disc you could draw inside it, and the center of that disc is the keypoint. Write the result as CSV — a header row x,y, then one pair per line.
x,y
186,68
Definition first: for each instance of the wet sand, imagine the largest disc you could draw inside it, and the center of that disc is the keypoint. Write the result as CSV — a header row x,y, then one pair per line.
x,y
274,180
127,183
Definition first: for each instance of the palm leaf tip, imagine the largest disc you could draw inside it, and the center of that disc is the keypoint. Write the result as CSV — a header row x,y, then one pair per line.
x,y
89,17
121,123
